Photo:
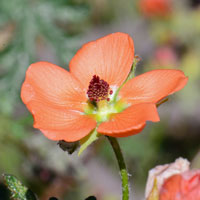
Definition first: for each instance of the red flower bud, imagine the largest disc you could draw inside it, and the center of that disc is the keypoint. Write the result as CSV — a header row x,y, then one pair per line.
x,y
185,186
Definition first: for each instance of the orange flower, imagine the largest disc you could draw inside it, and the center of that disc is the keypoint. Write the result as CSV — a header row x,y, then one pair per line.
x,y
94,94
185,186
152,8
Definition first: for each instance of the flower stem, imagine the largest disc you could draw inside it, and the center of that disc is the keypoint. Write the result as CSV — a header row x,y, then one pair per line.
x,y
122,166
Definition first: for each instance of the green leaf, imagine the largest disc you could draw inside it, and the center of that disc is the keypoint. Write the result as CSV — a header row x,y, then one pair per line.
x,y
86,141
18,190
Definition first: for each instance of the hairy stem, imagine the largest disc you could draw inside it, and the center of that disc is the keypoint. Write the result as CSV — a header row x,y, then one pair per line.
x,y
122,166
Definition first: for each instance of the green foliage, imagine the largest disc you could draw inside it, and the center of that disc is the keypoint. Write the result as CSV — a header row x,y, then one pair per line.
x,y
12,133
176,27
18,190
28,26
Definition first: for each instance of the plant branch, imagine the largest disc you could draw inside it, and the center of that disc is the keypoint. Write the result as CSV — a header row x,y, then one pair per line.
x,y
122,166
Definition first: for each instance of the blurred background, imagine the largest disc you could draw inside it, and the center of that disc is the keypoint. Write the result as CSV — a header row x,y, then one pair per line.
x,y
166,35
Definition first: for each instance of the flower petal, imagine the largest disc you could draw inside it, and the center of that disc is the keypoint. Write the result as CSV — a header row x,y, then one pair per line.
x,y
153,86
110,57
51,84
129,122
185,186
60,124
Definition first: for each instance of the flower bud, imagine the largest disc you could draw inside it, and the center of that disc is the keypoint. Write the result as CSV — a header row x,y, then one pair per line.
x,y
162,172
185,186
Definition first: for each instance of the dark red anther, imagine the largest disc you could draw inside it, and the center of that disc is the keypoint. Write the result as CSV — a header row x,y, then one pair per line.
x,y
98,89
110,92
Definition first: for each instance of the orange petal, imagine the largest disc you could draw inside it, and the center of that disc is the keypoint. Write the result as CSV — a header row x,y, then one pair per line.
x,y
153,86
129,122
52,85
60,124
110,57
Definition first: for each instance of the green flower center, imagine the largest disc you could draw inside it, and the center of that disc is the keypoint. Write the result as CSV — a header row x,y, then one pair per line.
x,y
99,105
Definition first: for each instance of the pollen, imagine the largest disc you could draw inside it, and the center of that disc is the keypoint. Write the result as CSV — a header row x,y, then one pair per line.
x,y
98,89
